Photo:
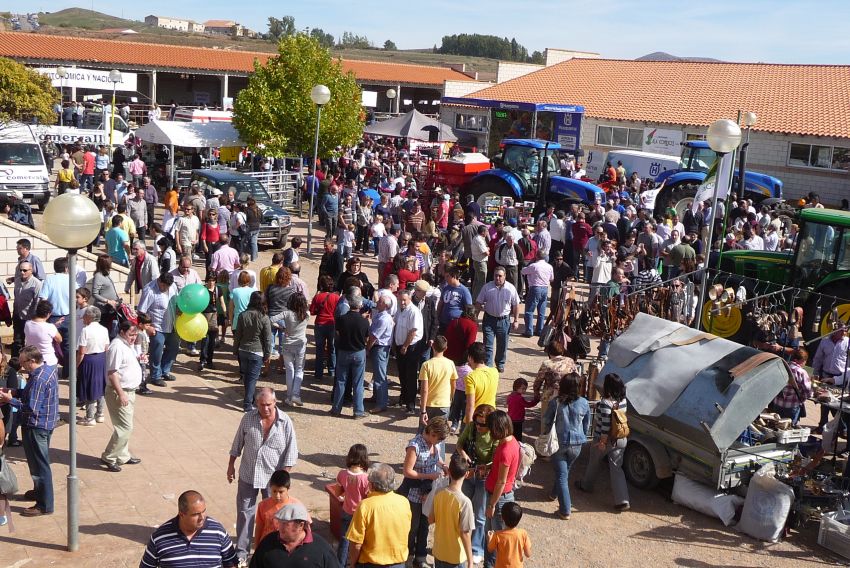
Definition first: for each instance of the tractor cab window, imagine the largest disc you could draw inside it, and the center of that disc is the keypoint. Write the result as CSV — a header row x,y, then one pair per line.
x,y
697,159
528,163
816,256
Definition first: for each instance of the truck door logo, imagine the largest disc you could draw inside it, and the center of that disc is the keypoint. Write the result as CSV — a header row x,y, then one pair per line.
x,y
654,169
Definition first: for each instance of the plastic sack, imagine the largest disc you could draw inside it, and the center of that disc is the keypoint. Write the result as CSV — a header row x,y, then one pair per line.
x,y
705,500
439,484
766,507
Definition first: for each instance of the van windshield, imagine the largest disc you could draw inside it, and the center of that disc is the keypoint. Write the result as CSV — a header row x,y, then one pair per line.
x,y
20,155
244,189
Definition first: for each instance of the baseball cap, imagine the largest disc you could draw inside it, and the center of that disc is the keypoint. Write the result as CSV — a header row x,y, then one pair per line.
x,y
293,512
512,222
17,194
215,191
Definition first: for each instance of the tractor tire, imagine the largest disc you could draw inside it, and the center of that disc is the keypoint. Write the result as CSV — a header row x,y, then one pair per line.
x,y
639,467
834,297
487,188
679,197
730,323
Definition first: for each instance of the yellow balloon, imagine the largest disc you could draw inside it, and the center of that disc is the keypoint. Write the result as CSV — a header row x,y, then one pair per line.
x,y
191,327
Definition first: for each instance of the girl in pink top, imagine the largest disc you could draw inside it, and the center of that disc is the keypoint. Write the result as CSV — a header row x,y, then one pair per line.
x,y
355,486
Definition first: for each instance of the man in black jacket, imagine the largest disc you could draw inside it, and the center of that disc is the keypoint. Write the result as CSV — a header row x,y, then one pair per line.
x,y
332,262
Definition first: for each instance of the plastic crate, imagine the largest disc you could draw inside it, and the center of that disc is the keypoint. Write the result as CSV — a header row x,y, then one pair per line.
x,y
795,436
834,534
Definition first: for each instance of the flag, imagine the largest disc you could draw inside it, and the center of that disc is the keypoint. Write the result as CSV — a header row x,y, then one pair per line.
x,y
718,175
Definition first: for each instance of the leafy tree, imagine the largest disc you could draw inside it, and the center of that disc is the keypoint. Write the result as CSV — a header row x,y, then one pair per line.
x,y
274,113
479,45
324,39
538,58
25,95
389,45
354,41
281,28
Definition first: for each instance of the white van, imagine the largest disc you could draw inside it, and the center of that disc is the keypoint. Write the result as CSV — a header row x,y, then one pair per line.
x,y
94,131
22,165
646,164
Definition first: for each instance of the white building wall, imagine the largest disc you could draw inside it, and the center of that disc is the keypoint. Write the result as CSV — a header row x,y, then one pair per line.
x,y
554,56
508,70
767,153
463,88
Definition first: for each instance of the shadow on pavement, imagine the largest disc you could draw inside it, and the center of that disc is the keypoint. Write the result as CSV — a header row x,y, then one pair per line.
x,y
135,533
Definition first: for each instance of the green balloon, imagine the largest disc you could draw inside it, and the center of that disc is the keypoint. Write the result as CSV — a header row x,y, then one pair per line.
x,y
193,299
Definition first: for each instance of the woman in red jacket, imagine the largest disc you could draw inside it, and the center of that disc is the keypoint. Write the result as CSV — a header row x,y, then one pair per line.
x,y
323,307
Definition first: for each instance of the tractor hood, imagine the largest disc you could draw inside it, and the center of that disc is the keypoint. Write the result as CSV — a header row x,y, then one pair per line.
x,y
699,386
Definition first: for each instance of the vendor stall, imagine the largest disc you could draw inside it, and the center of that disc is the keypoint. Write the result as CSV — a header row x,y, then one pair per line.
x,y
189,135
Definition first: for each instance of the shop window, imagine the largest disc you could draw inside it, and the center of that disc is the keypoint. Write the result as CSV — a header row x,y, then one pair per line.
x,y
815,156
619,137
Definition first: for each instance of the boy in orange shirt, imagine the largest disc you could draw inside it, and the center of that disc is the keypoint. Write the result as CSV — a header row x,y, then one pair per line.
x,y
511,545
264,523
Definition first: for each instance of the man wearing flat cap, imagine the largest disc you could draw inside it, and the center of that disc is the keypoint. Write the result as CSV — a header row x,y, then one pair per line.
x,y
294,544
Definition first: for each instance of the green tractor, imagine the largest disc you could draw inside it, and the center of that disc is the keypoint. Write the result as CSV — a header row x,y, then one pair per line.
x,y
818,269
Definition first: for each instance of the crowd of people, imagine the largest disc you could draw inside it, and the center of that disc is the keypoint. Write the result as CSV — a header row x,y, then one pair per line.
x,y
444,272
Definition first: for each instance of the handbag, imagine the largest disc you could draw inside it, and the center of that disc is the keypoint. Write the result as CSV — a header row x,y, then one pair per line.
x,y
8,480
619,424
547,445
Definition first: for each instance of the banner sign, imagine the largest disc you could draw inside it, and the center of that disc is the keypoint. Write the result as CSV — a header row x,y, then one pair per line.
x,y
89,79
659,141
568,130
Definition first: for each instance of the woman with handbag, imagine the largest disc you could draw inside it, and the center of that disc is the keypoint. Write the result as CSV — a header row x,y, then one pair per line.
x,y
422,465
104,295
607,444
569,414
477,446
215,305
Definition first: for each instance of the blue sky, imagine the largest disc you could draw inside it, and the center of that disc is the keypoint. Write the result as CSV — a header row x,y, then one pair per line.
x,y
774,31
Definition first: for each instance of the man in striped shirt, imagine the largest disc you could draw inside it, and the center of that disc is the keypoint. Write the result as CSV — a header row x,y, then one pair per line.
x,y
190,540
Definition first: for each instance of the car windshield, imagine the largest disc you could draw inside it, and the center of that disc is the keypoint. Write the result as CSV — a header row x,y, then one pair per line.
x,y
244,189
20,155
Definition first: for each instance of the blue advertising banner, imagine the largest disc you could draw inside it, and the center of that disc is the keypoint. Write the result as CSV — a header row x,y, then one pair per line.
x,y
568,130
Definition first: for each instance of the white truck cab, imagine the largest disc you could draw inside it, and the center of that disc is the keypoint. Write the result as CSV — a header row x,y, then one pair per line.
x,y
22,164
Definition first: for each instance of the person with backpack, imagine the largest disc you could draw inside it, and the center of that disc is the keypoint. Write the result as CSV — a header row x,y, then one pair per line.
x,y
610,434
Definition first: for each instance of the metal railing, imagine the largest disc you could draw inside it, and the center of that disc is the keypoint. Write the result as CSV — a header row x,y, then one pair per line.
x,y
284,187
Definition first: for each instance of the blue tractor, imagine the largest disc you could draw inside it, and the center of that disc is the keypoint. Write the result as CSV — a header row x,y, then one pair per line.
x,y
678,187
525,171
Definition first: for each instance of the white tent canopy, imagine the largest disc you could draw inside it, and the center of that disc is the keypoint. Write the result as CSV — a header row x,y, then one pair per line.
x,y
190,134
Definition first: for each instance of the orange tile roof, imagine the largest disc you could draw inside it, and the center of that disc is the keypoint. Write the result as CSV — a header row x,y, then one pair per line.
x,y
50,48
793,99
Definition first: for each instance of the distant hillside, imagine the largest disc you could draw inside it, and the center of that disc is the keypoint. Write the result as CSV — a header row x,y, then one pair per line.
x,y
86,23
663,56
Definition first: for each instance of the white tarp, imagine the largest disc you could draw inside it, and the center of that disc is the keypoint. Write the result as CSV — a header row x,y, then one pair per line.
x,y
190,134
413,125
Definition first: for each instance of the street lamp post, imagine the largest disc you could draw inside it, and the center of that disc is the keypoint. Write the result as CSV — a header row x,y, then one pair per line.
x,y
723,136
61,72
71,222
320,95
749,120
391,95
115,78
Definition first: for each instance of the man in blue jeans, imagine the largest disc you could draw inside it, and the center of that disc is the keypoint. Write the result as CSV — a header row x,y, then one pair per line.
x,y
352,331
157,302
539,275
378,345
500,301
38,404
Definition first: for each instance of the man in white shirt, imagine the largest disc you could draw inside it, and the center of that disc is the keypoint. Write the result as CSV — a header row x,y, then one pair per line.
x,y
389,290
186,230
387,251
124,375
479,253
499,301
407,337
558,233
539,275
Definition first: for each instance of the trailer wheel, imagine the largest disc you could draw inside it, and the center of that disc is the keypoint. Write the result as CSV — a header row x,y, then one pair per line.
x,y
639,467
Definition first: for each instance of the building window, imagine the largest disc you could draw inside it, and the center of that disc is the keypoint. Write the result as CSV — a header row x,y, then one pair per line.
x,y
690,137
472,122
619,137
814,156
